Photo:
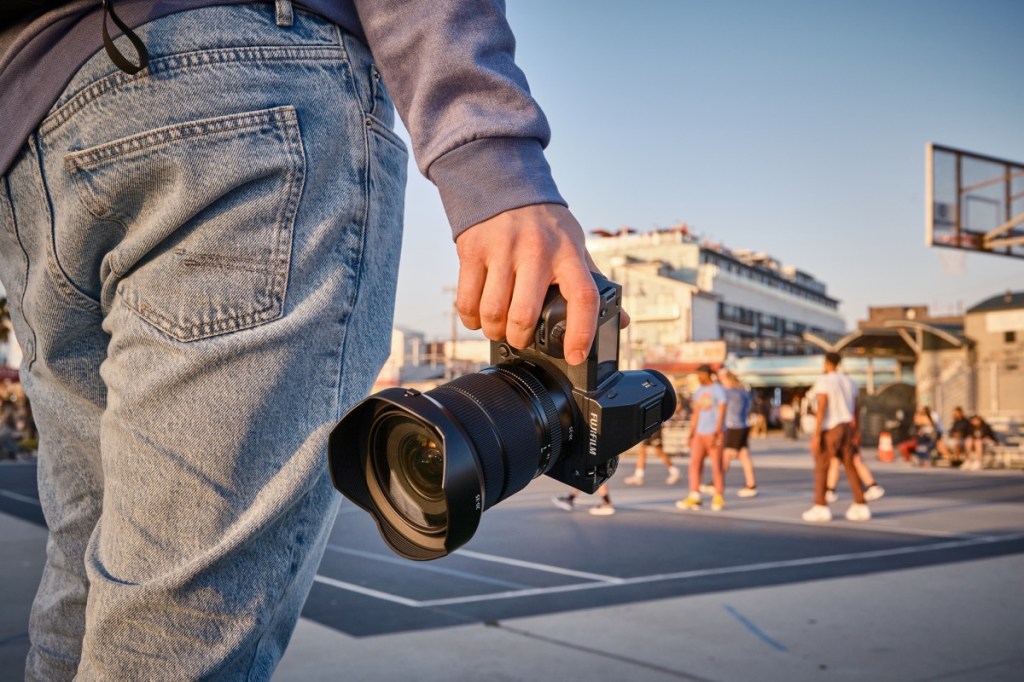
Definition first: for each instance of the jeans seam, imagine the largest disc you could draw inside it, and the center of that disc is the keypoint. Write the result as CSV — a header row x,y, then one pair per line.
x,y
30,357
181,62
60,278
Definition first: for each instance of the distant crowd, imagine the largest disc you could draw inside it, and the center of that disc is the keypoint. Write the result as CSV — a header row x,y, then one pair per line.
x,y
962,445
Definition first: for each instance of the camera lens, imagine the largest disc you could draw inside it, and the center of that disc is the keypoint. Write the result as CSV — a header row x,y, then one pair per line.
x,y
427,465
408,466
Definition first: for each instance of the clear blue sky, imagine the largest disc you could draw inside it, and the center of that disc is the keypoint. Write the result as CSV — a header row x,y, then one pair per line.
x,y
792,127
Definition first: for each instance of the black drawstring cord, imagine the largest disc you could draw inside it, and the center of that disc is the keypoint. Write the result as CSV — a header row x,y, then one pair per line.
x,y
120,61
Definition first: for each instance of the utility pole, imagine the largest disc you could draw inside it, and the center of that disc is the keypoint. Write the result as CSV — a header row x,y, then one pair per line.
x,y
449,372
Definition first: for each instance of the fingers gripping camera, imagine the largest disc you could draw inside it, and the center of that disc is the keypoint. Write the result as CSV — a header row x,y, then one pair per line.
x,y
427,465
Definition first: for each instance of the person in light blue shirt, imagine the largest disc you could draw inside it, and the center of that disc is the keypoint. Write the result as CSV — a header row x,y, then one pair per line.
x,y
708,423
737,433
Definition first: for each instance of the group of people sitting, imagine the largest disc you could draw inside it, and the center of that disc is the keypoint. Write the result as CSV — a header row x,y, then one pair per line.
x,y
963,445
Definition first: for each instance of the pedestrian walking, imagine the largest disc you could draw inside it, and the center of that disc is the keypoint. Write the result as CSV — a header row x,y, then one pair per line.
x,y
834,396
706,434
737,433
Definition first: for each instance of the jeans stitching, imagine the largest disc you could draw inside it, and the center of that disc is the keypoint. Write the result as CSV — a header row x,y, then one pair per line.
x,y
272,303
146,141
181,62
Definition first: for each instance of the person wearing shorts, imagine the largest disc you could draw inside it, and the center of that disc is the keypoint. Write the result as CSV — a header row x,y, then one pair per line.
x,y
737,433
706,439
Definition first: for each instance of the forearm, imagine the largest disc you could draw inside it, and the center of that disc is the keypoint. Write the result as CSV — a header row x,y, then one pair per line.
x,y
476,131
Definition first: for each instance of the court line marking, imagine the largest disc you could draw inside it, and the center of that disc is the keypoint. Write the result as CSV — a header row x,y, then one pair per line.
x,y
752,627
422,566
21,498
667,577
540,567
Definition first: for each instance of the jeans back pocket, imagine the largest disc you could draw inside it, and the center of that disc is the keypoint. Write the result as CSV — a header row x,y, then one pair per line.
x,y
208,209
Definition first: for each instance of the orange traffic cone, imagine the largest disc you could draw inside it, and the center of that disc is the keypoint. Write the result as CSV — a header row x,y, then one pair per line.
x,y
885,453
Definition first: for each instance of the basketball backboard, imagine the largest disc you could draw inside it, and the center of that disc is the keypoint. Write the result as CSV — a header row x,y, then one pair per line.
x,y
974,202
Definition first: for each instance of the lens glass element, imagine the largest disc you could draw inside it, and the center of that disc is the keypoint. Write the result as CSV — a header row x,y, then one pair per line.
x,y
408,463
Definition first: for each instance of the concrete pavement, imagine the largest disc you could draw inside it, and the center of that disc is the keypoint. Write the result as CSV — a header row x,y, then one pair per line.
x,y
929,590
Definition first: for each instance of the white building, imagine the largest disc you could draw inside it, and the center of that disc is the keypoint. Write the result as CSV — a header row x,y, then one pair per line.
x,y
678,289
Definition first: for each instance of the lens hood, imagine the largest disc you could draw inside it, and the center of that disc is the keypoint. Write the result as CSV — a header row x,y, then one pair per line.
x,y
354,471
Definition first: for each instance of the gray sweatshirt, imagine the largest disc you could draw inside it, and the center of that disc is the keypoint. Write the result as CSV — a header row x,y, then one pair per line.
x,y
449,65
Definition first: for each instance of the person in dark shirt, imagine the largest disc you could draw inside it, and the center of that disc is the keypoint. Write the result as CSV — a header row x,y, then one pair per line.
x,y
951,447
978,438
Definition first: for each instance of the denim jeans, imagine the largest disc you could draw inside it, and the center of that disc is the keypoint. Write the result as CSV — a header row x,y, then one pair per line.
x,y
200,261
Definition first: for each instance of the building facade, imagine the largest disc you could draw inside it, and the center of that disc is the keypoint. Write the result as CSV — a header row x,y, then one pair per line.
x,y
996,326
679,289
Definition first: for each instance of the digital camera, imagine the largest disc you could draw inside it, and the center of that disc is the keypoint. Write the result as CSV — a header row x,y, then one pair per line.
x,y
427,465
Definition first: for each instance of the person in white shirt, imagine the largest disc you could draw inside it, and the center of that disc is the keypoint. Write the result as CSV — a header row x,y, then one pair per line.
x,y
834,396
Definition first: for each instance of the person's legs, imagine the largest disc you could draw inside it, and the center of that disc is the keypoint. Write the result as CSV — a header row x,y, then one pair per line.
x,y
222,233
822,461
699,448
747,462
840,444
641,464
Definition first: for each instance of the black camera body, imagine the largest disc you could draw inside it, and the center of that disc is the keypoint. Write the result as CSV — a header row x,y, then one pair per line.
x,y
427,465
613,411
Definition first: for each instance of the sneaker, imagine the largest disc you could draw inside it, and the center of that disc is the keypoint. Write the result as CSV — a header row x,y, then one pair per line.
x,y
717,503
831,496
636,479
874,492
706,489
819,513
566,503
690,503
673,476
747,491
858,512
603,509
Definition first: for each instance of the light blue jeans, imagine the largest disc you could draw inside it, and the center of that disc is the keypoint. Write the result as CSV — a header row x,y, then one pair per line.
x,y
201,262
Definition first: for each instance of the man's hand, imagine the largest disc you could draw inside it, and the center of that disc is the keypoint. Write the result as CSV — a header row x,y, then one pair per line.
x,y
506,264
816,444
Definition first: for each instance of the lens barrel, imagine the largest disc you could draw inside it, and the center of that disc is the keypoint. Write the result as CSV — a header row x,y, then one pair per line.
x,y
427,465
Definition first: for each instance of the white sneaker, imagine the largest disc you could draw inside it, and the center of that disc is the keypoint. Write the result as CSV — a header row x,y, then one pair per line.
x,y
747,491
831,496
707,489
636,479
603,509
673,476
819,513
874,492
858,512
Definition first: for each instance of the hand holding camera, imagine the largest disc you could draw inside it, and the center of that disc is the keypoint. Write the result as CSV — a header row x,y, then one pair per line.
x,y
426,465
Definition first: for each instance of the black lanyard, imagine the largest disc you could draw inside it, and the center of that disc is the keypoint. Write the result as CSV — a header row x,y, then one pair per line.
x,y
120,61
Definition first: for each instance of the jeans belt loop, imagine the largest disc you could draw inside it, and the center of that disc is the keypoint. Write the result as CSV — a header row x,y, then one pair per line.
x,y
285,16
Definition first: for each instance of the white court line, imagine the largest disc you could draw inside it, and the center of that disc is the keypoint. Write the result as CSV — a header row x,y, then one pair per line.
x,y
540,567
878,525
21,498
341,584
682,575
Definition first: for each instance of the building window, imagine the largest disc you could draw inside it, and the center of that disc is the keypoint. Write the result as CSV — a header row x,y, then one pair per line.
x,y
1010,337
